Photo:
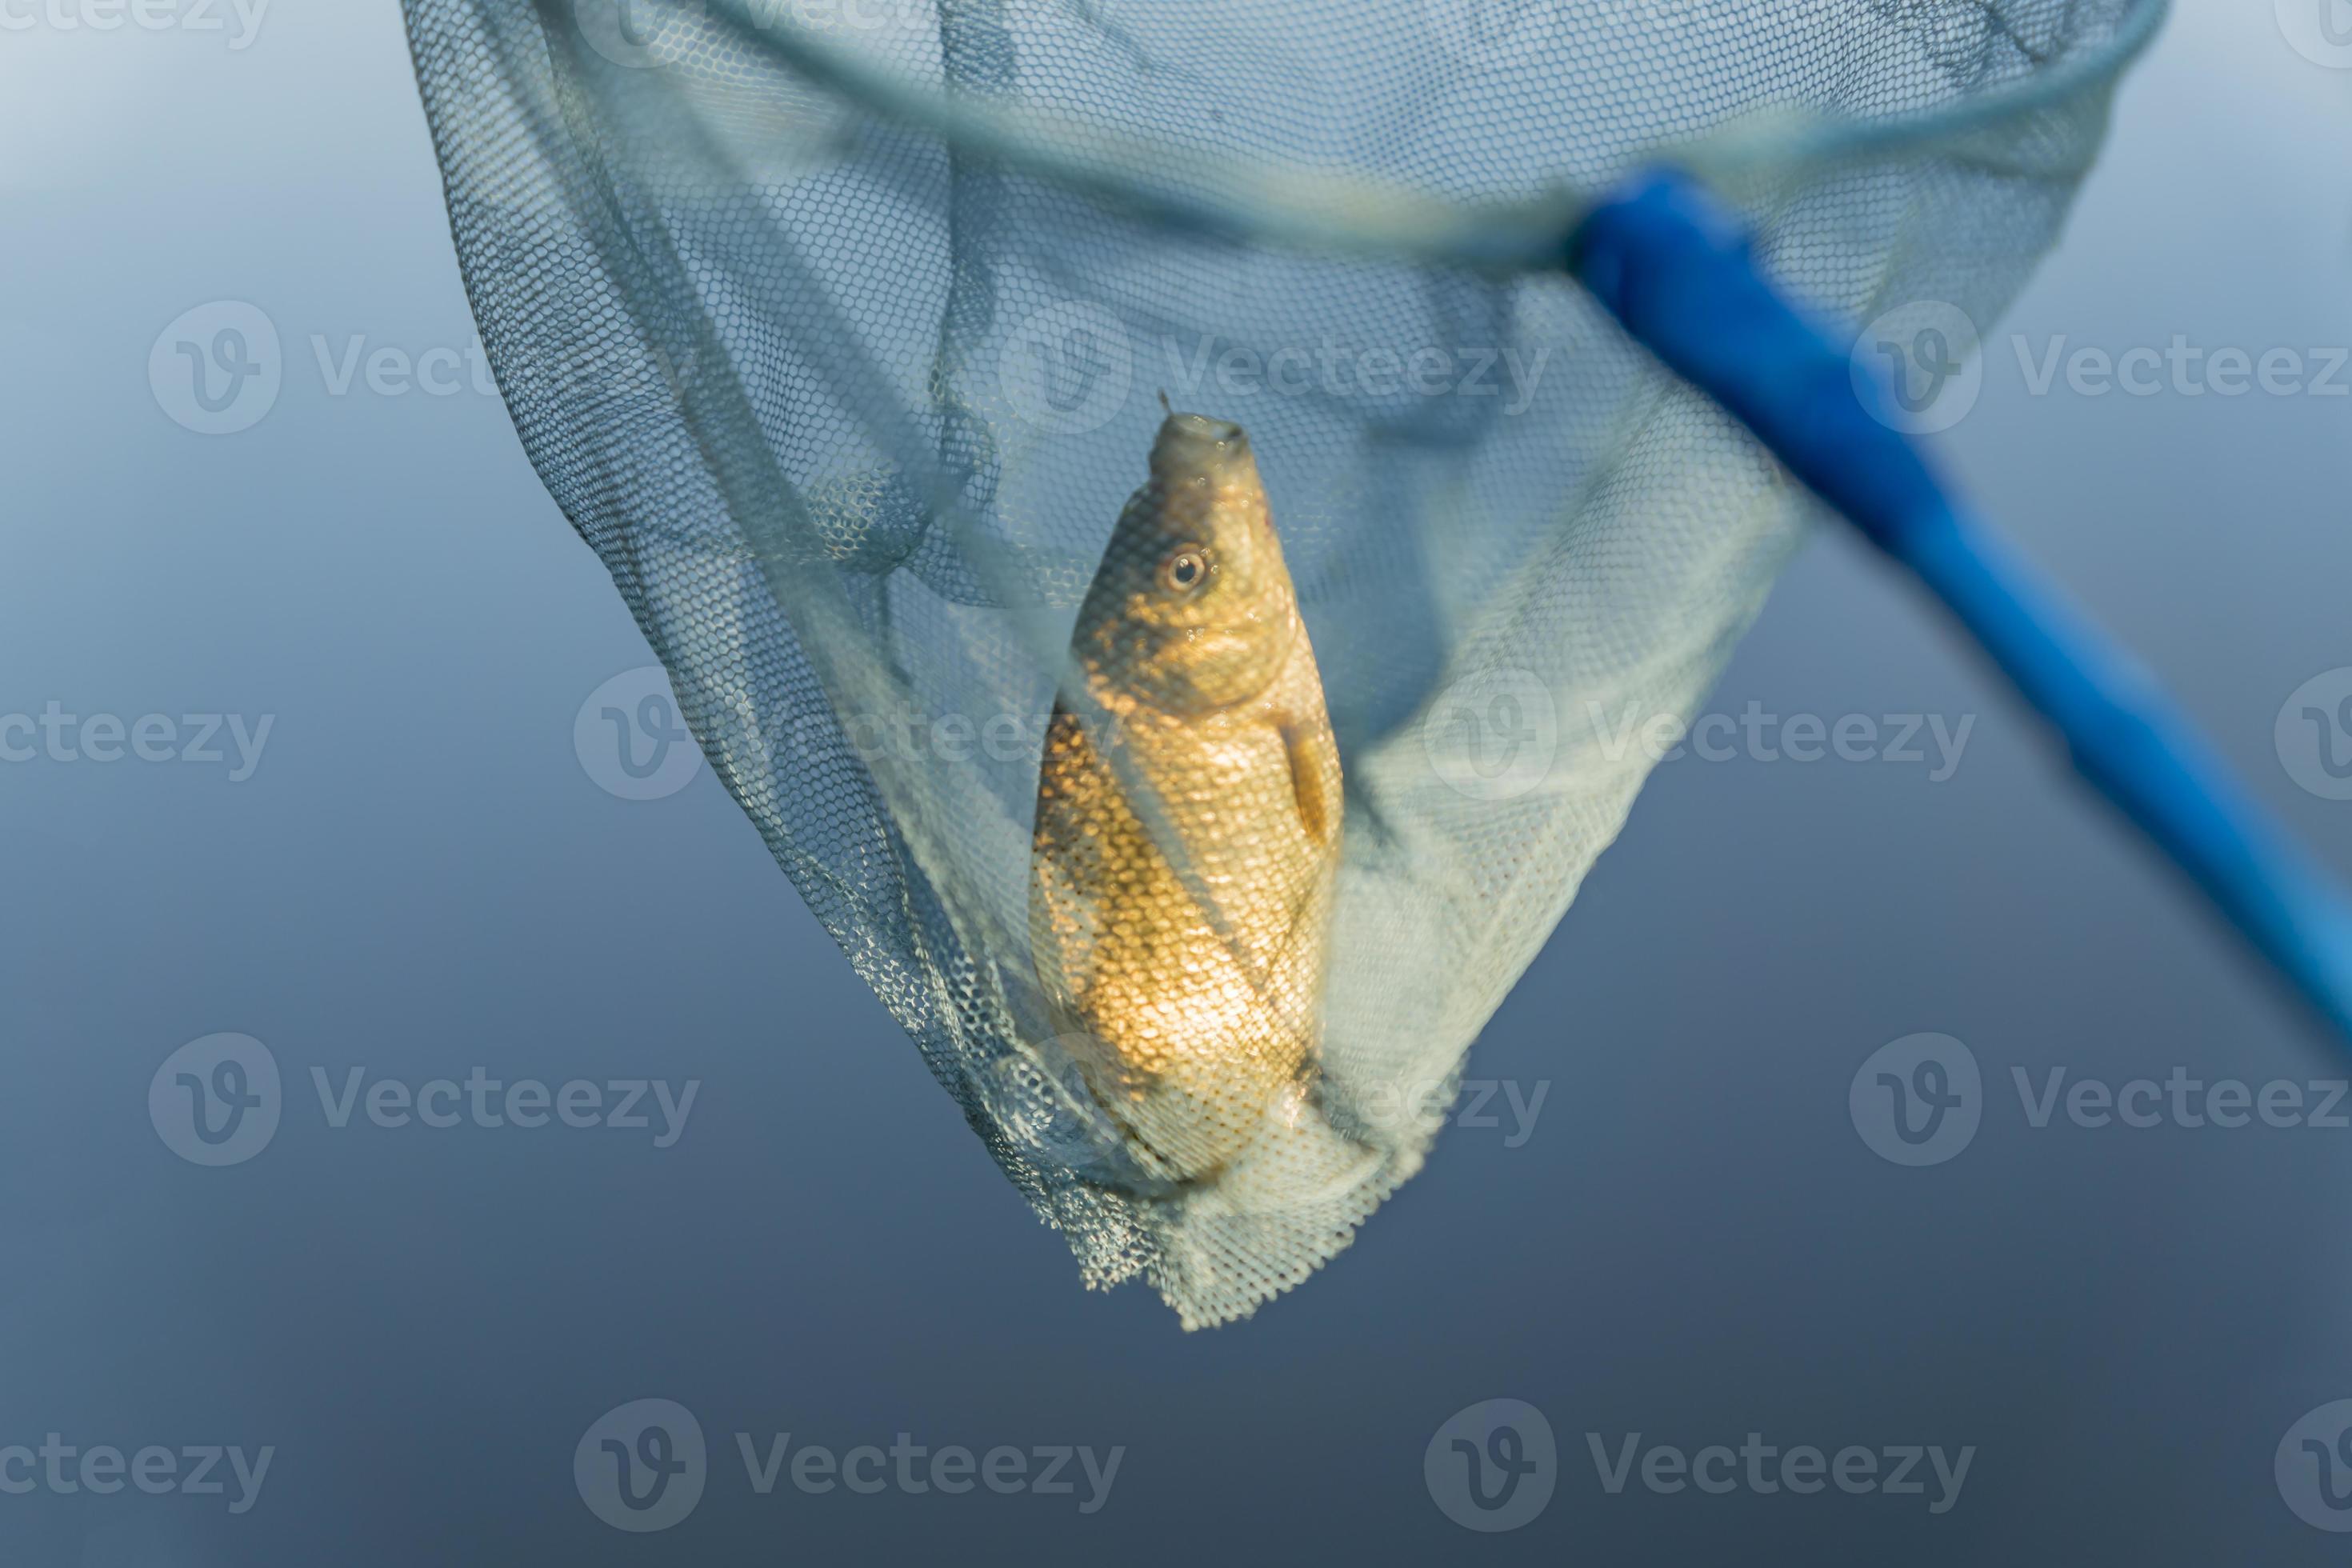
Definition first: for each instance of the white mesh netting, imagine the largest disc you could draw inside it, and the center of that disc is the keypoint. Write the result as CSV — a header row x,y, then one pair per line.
x,y
835,327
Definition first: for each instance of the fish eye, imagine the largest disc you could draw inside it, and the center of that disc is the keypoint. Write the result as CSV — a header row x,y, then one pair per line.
x,y
1184,569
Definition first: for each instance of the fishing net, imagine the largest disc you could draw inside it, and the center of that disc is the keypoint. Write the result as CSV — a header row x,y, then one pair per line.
x,y
837,328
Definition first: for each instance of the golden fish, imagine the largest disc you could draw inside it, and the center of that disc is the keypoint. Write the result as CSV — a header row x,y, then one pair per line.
x,y
1190,984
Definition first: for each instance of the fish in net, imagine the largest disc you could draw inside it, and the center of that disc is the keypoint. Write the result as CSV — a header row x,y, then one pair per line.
x,y
838,328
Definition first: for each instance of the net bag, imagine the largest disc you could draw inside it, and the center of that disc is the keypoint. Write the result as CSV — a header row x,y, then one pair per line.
x,y
838,327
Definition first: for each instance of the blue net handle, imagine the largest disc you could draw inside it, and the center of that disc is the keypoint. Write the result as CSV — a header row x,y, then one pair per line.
x,y
1676,269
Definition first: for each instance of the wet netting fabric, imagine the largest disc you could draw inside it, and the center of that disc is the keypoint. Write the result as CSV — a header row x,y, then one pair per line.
x,y
838,328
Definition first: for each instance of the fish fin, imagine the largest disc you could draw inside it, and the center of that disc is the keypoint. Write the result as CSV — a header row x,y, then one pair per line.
x,y
1314,779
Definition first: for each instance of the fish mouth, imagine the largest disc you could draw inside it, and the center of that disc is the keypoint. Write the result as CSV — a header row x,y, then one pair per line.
x,y
1191,445
1199,428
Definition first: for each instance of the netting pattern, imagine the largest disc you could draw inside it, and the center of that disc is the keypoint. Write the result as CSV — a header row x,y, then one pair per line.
x,y
849,406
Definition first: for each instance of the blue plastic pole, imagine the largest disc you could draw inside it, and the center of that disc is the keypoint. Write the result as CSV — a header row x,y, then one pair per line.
x,y
1676,269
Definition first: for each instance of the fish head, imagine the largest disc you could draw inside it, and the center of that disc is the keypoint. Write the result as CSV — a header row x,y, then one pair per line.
x,y
1191,609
